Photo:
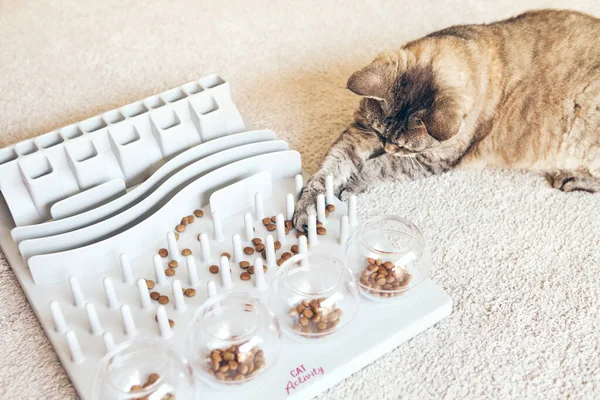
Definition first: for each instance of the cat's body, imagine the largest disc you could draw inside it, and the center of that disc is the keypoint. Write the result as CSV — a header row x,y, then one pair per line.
x,y
522,93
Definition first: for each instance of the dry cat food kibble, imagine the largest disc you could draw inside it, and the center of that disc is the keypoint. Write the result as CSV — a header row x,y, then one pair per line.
x,y
318,316
321,231
286,256
289,225
163,299
295,249
213,269
169,272
248,250
184,221
245,276
226,255
180,228
236,363
190,292
173,264
198,213
153,378
191,219
256,241
259,247
384,279
176,235
271,227
149,284
277,245
163,253
266,221
244,264
330,208
186,252
154,295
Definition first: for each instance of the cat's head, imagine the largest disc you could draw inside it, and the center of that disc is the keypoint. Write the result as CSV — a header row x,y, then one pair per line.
x,y
406,103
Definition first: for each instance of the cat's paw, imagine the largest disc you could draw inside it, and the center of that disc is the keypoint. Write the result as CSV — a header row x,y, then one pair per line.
x,y
305,207
346,193
570,182
352,188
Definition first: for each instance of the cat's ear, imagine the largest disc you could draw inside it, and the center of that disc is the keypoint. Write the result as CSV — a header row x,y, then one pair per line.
x,y
377,79
444,121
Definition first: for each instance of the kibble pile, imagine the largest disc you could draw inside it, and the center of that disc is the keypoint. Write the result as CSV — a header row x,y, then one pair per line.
x,y
384,279
315,317
235,364
152,378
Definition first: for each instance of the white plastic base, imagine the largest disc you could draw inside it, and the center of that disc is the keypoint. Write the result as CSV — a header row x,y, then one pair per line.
x,y
376,330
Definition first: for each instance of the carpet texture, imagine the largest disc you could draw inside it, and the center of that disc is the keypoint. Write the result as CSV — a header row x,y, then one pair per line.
x,y
520,260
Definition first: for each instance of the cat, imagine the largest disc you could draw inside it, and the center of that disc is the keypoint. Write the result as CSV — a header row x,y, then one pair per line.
x,y
523,93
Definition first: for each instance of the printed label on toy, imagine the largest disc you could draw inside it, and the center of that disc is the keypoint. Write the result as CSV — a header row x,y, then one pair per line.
x,y
302,375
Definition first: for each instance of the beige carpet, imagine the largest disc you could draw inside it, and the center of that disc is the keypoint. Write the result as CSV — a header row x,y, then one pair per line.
x,y
521,261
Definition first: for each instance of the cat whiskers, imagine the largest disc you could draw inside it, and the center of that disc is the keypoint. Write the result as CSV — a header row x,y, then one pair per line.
x,y
415,162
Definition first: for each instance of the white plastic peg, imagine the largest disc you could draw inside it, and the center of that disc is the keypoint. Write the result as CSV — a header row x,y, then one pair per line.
x,y
217,226
144,295
299,185
352,219
95,326
329,189
126,268
190,263
205,247
159,270
163,322
270,250
128,322
344,230
78,299
225,273
259,209
173,247
211,289
73,343
321,208
109,341
178,295
259,274
289,206
58,317
303,249
248,227
111,296
280,223
238,253
312,230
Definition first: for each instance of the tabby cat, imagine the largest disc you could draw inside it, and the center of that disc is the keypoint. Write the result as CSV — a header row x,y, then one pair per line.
x,y
522,93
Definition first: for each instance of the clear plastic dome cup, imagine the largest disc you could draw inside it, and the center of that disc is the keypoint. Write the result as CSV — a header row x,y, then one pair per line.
x,y
233,341
389,257
139,369
314,296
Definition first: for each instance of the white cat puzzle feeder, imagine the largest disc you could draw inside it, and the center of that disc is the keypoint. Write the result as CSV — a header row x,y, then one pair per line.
x,y
180,171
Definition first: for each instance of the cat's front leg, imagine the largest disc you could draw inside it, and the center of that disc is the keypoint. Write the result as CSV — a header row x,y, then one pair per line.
x,y
343,162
